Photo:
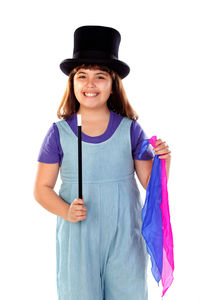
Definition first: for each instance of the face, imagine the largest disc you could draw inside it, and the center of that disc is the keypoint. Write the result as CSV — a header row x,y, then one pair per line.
x,y
92,88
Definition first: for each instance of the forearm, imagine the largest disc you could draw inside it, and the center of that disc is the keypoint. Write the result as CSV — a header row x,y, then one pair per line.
x,y
48,198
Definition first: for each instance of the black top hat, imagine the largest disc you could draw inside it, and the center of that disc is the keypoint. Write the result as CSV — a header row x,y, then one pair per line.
x,y
96,45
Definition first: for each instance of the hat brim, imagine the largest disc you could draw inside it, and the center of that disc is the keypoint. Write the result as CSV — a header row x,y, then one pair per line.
x,y
118,66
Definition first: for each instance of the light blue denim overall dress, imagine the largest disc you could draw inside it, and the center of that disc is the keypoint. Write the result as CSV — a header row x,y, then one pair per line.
x,y
104,256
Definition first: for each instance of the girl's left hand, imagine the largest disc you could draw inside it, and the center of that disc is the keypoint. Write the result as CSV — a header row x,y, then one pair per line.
x,y
162,149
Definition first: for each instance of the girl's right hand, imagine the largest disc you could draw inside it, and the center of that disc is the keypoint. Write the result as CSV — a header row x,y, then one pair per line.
x,y
77,211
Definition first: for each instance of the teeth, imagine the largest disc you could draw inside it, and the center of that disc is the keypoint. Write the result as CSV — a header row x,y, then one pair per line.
x,y
90,94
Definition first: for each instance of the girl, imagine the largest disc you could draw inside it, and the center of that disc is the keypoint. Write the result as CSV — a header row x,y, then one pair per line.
x,y
101,253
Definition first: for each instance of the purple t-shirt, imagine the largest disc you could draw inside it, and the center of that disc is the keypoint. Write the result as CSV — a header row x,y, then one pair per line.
x,y
51,150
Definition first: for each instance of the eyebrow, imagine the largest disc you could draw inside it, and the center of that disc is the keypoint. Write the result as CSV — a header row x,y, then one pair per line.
x,y
79,72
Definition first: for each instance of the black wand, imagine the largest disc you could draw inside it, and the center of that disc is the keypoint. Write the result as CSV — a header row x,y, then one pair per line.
x,y
79,158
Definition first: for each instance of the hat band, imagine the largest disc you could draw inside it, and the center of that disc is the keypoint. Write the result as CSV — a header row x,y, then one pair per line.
x,y
90,54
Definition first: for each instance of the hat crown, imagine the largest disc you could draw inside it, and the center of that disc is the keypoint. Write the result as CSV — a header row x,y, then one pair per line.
x,y
98,41
95,44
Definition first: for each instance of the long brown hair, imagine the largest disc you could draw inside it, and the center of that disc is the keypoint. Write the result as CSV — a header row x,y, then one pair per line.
x,y
117,101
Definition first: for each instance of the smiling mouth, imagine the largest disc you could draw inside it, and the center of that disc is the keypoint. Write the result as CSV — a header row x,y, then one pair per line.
x,y
90,95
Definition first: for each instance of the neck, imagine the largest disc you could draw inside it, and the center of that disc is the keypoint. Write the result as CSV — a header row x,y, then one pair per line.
x,y
93,114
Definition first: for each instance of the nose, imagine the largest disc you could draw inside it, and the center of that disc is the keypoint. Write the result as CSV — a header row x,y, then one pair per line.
x,y
90,82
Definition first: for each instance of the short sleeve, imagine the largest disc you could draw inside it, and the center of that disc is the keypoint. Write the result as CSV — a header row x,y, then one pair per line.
x,y
138,135
50,151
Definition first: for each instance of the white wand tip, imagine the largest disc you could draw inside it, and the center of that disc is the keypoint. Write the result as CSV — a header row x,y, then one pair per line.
x,y
79,119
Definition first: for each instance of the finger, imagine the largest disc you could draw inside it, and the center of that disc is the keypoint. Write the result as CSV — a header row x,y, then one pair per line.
x,y
158,142
161,146
82,218
79,215
78,201
165,156
163,151
78,208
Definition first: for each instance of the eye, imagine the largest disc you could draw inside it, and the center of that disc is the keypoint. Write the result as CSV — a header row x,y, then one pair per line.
x,y
83,76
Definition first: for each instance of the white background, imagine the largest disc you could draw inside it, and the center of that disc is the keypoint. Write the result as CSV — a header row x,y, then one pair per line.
x,y
160,43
